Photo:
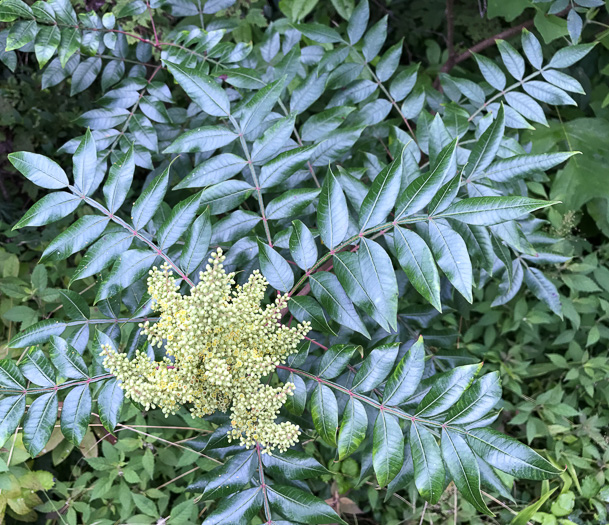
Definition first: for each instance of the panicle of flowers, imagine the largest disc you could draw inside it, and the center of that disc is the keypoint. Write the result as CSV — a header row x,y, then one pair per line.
x,y
219,343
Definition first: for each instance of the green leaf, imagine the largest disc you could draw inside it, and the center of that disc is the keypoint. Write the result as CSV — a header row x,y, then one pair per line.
x,y
300,506
335,360
332,212
451,254
543,289
486,148
196,243
49,209
292,203
226,479
39,422
319,33
486,211
70,42
405,379
12,409
200,140
374,39
130,266
254,111
74,305
292,464
102,254
178,222
445,196
509,455
358,22
375,368
85,164
275,268
202,89
477,401
37,334
75,414
532,49
517,167
427,461
420,191
20,34
212,171
389,62
328,291
297,402
305,308
463,467
382,196
119,180
41,170
403,83
282,167
226,195
353,428
387,447
512,59
418,263
273,140
302,246
10,376
446,390
67,360
548,93
37,369
110,402
526,514
567,56
85,74
150,200
75,237
11,10
324,411
320,124
235,226
238,508
491,72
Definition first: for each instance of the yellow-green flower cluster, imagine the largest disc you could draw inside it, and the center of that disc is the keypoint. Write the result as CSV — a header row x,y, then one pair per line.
x,y
219,343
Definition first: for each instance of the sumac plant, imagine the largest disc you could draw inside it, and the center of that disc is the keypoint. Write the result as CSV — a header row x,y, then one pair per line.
x,y
367,200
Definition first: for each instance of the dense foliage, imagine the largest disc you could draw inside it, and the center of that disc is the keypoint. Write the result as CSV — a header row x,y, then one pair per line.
x,y
385,200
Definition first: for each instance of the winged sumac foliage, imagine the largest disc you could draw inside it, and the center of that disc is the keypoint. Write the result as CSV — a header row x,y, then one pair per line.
x,y
363,195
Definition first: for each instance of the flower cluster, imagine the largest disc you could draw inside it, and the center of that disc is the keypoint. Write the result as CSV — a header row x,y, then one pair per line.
x,y
219,343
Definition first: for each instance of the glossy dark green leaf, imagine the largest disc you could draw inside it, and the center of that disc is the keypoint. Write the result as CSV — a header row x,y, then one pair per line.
x,y
12,409
75,237
427,460
149,201
543,289
70,42
301,506
512,59
37,333
130,266
212,171
302,246
532,49
517,167
10,376
405,379
389,62
382,196
292,203
484,151
74,305
47,40
178,222
292,464
419,265
305,308
41,170
205,138
353,428
110,403
335,360
374,39
297,402
20,34
196,243
235,226
273,140
226,195
102,254
420,191
75,414
375,368
328,291
50,208
119,180
227,479
283,166
444,198
85,74
85,164
358,21
67,360
39,422
451,255
509,455
202,89
568,56
387,447
324,411
477,401
37,369
446,390
259,106
275,268
239,508
332,212
463,468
